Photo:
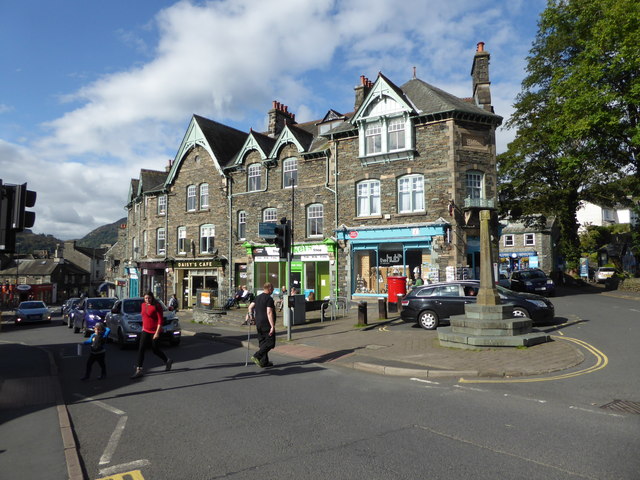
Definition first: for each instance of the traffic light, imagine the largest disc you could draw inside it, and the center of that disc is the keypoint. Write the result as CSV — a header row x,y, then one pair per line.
x,y
283,238
7,236
22,199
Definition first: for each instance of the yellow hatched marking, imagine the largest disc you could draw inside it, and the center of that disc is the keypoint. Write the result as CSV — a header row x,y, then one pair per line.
x,y
134,475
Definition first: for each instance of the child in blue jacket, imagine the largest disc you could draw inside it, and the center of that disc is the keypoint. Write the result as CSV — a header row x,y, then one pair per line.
x,y
97,341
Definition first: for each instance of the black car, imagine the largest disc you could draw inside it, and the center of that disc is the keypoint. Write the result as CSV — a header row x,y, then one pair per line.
x,y
532,280
430,304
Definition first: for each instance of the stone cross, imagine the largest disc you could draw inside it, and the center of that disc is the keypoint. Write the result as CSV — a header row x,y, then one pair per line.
x,y
488,294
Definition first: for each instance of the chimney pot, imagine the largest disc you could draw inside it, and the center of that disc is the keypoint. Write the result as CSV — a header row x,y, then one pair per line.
x,y
274,104
480,47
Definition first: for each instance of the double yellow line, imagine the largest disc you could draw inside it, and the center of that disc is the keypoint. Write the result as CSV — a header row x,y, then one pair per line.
x,y
601,362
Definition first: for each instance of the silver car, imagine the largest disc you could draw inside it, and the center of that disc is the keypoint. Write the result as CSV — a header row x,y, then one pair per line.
x,y
125,322
32,311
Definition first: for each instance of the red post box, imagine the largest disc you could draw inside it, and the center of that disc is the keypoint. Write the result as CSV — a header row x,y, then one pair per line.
x,y
396,286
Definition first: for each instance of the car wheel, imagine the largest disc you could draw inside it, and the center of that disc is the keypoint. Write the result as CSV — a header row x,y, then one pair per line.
x,y
75,329
69,323
428,319
85,330
520,313
174,342
121,343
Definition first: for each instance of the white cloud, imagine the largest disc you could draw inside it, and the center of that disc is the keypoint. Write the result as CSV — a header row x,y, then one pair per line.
x,y
227,60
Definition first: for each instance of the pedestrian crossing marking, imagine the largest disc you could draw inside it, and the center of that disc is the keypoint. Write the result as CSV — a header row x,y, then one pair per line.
x,y
133,475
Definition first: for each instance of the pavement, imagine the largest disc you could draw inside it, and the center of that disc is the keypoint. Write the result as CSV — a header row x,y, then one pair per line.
x,y
32,409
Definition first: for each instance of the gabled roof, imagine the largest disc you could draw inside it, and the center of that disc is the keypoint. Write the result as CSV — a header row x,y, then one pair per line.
x,y
383,87
300,137
133,190
221,141
255,141
151,180
45,266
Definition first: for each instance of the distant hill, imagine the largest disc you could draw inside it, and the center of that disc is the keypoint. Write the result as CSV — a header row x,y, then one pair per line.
x,y
106,234
27,241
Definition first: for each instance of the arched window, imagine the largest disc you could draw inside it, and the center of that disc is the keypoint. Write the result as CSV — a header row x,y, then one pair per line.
x,y
289,172
242,225
315,220
204,196
254,177
270,215
191,198
411,194
368,198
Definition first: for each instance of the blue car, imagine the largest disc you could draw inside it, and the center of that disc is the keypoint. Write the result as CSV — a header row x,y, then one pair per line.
x,y
90,311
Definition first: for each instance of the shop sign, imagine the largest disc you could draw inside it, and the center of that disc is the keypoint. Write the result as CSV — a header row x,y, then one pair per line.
x,y
390,258
310,249
197,263
266,254
353,234
23,288
314,258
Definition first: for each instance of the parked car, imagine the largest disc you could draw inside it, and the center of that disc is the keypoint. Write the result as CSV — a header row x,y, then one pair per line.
x,y
90,311
431,304
32,311
503,280
603,273
532,280
125,322
66,309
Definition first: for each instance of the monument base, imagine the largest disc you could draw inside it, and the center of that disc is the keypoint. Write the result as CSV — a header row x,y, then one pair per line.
x,y
489,326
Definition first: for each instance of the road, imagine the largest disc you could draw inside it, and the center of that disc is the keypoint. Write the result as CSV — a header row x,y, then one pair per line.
x,y
213,417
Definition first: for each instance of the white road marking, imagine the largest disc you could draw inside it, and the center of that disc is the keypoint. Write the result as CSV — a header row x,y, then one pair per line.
x,y
424,381
595,411
113,441
124,467
101,404
525,398
462,387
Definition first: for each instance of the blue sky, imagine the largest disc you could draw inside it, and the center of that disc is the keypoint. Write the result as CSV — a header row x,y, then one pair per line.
x,y
94,91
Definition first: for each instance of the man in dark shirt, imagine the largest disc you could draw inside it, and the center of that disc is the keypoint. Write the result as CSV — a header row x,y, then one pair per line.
x,y
263,310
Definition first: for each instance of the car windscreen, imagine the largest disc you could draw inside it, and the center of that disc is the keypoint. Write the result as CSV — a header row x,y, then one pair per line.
x,y
31,305
132,306
100,303
533,274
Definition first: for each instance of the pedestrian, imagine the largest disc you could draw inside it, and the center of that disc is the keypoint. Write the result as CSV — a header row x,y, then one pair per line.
x,y
173,303
263,310
152,318
97,353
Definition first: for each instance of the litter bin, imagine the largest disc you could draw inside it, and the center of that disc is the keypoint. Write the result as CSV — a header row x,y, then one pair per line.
x,y
299,306
396,289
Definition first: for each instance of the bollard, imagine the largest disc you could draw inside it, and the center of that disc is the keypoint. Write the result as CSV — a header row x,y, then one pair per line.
x,y
382,308
362,313
400,297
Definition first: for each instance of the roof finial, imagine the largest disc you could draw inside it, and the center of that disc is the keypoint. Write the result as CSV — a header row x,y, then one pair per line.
x,y
414,72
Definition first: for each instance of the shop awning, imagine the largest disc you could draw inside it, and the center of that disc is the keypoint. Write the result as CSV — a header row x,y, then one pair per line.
x,y
104,286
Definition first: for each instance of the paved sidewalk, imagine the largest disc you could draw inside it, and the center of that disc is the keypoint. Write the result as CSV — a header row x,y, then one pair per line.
x,y
381,348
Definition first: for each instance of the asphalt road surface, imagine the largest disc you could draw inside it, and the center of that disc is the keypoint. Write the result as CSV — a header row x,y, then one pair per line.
x,y
213,417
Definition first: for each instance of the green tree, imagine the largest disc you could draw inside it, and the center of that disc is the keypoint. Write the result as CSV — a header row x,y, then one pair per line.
x,y
577,116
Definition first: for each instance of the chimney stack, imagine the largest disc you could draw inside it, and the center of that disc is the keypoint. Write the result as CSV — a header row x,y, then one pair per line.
x,y
362,91
279,116
480,78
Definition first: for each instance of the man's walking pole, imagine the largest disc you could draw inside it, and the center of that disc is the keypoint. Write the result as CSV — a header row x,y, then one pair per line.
x,y
249,317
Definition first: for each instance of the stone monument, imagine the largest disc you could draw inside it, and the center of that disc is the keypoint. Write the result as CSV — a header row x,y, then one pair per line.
x,y
487,323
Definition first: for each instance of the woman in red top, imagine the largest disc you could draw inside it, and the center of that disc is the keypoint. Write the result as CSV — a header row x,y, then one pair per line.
x,y
152,317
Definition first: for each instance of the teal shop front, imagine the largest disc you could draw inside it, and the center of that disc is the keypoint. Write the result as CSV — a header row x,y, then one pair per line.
x,y
377,253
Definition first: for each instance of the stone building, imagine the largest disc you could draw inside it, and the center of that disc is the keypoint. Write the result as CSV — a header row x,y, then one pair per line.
x,y
523,246
392,188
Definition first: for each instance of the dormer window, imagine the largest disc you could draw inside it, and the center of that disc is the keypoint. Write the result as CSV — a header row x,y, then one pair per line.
x,y
254,177
385,130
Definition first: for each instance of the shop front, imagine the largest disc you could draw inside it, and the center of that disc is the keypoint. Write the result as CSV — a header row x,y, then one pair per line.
x,y
310,273
153,279
510,261
133,281
193,275
378,253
